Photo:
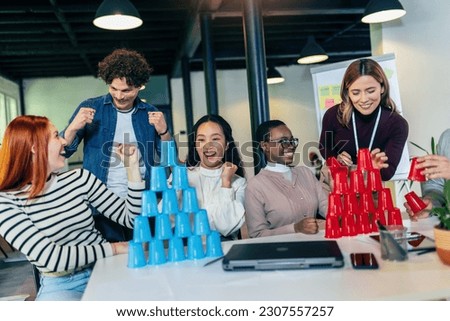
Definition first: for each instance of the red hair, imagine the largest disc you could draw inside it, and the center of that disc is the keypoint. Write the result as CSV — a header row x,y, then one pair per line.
x,y
19,166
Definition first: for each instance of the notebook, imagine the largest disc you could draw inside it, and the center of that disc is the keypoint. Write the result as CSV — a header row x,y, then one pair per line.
x,y
283,256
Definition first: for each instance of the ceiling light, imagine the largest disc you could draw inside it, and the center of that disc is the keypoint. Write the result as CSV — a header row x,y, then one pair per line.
x,y
383,10
312,53
117,15
274,76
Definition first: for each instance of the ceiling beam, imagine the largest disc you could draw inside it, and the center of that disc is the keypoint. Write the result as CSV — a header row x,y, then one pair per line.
x,y
72,37
192,37
293,12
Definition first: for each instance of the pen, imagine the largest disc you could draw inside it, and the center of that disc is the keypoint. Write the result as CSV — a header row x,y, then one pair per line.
x,y
427,251
213,261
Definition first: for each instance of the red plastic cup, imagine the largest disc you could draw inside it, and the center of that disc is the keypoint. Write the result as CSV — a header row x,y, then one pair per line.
x,y
379,215
340,185
415,202
374,183
366,202
414,173
334,205
351,204
367,211
332,228
333,162
395,217
364,159
385,200
335,167
348,224
357,181
362,223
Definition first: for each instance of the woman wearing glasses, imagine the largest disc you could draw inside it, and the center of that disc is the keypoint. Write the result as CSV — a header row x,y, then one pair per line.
x,y
366,118
282,199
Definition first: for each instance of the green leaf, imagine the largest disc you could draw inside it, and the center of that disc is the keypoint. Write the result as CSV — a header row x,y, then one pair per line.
x,y
419,147
433,146
447,195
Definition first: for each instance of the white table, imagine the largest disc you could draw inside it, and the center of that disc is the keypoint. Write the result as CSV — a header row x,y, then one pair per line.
x,y
422,277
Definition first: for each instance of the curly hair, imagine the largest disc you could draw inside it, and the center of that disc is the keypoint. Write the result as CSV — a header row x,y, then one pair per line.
x,y
125,63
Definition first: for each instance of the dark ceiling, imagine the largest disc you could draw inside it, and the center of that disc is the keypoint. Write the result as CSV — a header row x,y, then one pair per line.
x,y
56,38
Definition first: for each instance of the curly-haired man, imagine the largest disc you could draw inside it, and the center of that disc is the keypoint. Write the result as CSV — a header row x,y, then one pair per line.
x,y
119,117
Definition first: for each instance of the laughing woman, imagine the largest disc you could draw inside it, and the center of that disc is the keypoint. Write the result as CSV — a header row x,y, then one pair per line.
x,y
217,174
282,199
48,216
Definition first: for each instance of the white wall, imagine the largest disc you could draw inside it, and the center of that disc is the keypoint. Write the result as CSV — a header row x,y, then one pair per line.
x,y
421,44
57,98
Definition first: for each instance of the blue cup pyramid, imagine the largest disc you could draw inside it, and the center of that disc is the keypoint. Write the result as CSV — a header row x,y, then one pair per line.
x,y
191,222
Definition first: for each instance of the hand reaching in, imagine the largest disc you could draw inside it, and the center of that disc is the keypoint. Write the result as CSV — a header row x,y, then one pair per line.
x,y
379,159
434,166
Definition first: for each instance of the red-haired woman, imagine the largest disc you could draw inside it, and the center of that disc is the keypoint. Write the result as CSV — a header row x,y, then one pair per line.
x,y
47,215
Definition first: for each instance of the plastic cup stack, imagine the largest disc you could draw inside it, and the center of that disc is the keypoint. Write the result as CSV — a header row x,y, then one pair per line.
x,y
179,222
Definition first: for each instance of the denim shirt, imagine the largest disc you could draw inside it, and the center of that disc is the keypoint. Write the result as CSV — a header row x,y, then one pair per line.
x,y
99,135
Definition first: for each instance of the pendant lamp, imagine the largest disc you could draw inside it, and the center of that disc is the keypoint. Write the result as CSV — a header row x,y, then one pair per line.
x,y
383,10
117,15
312,53
274,76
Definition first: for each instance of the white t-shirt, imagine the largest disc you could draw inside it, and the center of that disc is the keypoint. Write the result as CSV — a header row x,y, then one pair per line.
x,y
117,174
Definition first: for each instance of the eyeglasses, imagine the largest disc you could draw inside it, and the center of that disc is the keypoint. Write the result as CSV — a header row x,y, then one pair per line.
x,y
285,143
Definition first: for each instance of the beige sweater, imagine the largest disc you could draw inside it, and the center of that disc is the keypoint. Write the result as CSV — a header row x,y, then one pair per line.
x,y
273,204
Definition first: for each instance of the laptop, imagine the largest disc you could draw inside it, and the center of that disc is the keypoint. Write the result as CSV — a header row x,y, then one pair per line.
x,y
283,256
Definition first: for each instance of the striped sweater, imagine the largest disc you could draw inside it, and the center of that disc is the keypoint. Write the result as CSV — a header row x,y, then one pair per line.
x,y
56,229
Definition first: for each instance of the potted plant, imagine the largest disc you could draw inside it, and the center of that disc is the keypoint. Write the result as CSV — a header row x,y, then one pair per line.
x,y
442,230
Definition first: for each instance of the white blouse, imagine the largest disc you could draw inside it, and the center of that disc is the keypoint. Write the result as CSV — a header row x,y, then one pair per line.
x,y
225,206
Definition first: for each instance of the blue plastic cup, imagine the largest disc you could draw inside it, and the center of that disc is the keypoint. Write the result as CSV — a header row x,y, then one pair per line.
x,y
163,228
190,204
149,204
179,177
136,257
169,201
158,179
168,153
213,245
176,250
201,223
141,231
195,248
156,252
182,225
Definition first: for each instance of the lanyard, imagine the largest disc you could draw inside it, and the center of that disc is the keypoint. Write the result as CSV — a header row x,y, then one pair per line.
x,y
373,131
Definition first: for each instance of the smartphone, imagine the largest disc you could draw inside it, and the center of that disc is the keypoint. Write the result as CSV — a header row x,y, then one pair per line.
x,y
363,261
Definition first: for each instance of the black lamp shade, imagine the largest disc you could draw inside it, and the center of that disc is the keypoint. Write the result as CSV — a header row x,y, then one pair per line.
x,y
274,76
117,15
312,53
378,11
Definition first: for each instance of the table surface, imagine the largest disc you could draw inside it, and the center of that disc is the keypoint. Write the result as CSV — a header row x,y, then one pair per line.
x,y
421,277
